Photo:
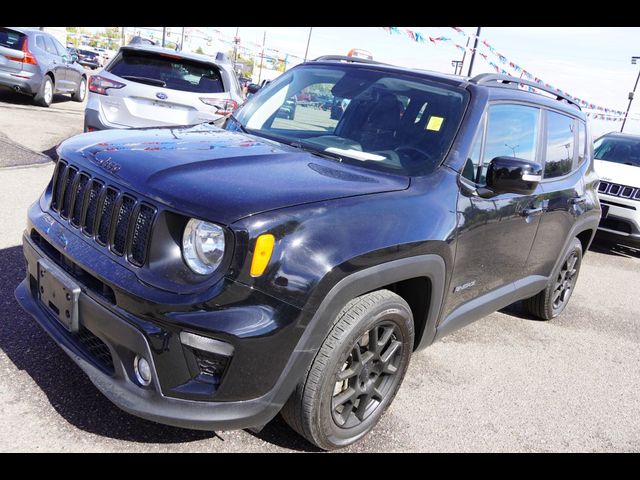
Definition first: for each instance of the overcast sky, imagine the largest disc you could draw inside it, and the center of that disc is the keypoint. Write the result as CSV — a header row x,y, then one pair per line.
x,y
592,63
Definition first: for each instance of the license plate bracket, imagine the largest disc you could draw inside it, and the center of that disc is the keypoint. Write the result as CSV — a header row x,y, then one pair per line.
x,y
59,294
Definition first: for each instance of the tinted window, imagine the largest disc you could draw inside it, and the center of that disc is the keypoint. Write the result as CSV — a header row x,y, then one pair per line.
x,y
377,119
560,145
512,131
618,150
168,71
11,39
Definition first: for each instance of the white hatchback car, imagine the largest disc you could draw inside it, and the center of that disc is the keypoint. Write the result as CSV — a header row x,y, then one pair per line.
x,y
150,86
617,163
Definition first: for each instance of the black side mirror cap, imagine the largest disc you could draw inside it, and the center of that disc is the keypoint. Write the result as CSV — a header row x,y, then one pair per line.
x,y
253,88
513,175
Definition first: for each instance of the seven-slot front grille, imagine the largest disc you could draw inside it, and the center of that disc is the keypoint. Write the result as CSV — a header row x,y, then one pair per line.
x,y
112,218
617,190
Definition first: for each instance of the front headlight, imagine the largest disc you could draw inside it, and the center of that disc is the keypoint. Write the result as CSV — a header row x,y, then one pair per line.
x,y
202,246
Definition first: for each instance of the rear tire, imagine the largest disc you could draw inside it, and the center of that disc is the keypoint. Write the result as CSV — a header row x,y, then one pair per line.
x,y
550,302
80,92
44,97
356,373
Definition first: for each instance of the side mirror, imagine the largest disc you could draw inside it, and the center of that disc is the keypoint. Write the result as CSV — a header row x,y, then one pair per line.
x,y
74,58
253,88
513,175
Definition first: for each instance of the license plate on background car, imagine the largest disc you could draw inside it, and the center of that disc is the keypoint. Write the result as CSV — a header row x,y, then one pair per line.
x,y
605,210
59,294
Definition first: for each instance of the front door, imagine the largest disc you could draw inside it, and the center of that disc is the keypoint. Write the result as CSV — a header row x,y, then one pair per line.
x,y
495,235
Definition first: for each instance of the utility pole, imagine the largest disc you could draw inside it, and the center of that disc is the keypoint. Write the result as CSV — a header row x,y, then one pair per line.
x,y
455,64
306,52
631,94
236,41
473,55
182,40
164,32
122,43
264,39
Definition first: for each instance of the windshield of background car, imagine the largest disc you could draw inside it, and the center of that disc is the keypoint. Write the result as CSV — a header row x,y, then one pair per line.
x,y
166,70
378,119
618,150
11,39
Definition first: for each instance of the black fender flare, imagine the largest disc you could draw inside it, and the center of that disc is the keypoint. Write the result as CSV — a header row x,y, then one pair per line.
x,y
358,283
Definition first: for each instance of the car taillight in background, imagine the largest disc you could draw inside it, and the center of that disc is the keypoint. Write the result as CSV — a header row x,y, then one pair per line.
x,y
98,84
28,57
224,106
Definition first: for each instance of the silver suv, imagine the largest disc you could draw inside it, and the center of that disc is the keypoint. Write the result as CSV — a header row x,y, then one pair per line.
x,y
148,86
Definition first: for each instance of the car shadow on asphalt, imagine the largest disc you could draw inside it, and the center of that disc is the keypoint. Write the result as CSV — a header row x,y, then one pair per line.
x,y
608,247
69,390
14,98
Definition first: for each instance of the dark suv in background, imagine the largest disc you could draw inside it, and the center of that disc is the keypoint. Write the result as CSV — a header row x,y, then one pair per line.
x,y
35,63
209,278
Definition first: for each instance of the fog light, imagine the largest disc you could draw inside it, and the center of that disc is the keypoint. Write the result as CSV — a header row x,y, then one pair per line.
x,y
143,370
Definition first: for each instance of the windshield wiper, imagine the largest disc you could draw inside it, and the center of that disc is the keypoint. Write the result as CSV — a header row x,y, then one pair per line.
x,y
147,80
315,151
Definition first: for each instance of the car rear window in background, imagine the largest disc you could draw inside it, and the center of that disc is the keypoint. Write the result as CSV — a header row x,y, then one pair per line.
x,y
11,39
168,72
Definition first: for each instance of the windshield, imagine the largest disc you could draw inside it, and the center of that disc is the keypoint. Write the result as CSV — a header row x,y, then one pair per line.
x,y
618,150
374,118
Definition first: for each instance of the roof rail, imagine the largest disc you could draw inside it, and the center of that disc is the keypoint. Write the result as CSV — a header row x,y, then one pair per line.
x,y
343,58
485,78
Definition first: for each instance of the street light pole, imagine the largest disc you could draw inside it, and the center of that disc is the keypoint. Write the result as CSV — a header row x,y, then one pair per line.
x,y
306,52
264,40
631,94
473,55
236,40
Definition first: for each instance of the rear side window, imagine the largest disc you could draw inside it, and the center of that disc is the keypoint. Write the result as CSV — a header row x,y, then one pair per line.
x,y
168,71
50,46
11,39
582,142
560,145
40,42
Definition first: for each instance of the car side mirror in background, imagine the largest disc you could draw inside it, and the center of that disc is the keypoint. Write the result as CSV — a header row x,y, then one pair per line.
x,y
74,58
513,175
253,88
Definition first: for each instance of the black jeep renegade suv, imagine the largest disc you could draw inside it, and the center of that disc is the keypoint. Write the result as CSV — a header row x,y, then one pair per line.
x,y
210,278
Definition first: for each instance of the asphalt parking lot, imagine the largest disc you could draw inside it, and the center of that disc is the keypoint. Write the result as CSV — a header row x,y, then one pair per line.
x,y
505,383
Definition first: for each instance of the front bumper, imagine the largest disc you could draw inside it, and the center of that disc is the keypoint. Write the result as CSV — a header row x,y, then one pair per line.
x,y
267,362
622,222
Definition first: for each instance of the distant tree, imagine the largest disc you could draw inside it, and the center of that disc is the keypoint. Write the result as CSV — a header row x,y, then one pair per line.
x,y
199,50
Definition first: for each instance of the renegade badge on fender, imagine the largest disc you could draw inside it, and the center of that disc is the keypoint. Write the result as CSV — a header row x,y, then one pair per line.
x,y
210,278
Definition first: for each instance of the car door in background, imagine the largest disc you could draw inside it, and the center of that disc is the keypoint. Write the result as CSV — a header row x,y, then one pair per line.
x,y
56,63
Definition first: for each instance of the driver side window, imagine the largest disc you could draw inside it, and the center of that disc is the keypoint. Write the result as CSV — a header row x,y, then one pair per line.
x,y
511,131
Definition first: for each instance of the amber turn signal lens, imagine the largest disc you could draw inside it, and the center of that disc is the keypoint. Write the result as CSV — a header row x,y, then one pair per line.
x,y
262,254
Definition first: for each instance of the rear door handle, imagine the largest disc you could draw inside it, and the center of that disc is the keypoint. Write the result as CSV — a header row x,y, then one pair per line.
x,y
530,212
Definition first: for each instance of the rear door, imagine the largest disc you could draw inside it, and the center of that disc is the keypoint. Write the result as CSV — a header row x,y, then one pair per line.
x,y
55,63
162,89
11,43
563,187
72,73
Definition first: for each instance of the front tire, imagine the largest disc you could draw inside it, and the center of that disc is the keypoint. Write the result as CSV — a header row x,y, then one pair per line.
x,y
550,302
356,373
